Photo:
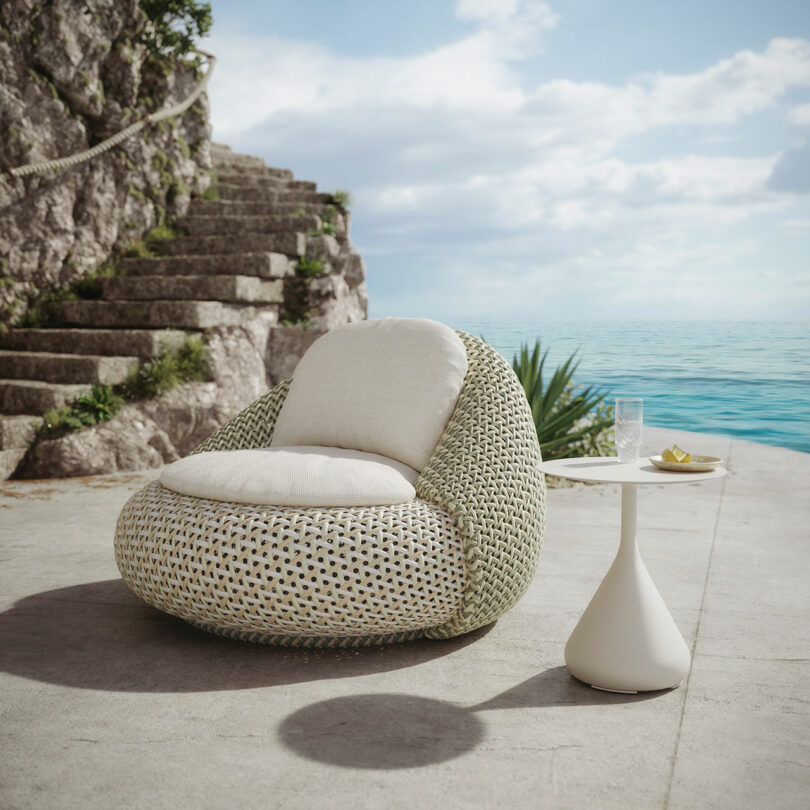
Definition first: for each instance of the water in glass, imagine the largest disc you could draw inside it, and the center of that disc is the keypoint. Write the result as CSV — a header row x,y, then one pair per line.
x,y
629,415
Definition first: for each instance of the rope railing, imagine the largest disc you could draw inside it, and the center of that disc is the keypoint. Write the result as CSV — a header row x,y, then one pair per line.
x,y
59,164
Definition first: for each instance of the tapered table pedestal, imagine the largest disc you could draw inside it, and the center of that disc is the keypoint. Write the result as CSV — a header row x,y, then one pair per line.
x,y
626,640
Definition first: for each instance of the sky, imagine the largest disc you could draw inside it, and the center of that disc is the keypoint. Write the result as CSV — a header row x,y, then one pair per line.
x,y
521,160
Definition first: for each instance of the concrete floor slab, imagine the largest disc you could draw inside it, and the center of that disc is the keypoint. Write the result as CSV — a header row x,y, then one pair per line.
x,y
105,702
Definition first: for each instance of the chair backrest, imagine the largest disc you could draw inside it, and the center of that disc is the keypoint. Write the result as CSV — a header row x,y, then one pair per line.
x,y
386,386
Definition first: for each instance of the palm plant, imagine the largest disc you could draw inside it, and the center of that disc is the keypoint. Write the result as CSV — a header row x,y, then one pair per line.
x,y
570,420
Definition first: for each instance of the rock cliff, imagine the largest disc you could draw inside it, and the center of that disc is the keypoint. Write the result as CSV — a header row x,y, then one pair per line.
x,y
71,75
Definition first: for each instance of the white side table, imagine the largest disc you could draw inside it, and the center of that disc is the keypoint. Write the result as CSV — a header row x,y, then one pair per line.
x,y
626,640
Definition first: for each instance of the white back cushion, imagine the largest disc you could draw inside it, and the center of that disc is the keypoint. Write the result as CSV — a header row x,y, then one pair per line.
x,y
385,386
293,476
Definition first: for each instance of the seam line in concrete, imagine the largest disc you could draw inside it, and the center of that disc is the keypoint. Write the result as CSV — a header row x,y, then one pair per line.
x,y
697,632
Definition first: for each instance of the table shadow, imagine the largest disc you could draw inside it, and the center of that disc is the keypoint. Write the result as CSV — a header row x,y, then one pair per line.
x,y
99,635
391,731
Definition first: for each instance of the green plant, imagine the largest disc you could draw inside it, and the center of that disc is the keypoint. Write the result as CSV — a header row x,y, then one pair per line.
x,y
42,314
150,246
90,286
167,370
570,420
137,249
162,233
310,268
326,229
192,360
212,192
301,320
340,198
152,378
175,24
297,310
59,421
99,403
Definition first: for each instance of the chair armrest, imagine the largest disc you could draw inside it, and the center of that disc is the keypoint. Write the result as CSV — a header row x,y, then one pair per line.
x,y
251,427
485,473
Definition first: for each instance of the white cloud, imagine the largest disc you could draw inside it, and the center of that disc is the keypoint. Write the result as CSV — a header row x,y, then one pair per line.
x,y
449,153
743,84
514,27
486,9
799,117
258,78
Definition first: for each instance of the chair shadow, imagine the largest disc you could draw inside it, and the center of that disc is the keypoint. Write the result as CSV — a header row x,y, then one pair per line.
x,y
99,635
390,731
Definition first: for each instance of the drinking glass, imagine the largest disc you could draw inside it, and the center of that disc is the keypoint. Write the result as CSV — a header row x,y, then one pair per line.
x,y
629,417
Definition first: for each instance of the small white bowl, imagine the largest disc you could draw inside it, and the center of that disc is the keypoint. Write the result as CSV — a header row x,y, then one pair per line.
x,y
697,464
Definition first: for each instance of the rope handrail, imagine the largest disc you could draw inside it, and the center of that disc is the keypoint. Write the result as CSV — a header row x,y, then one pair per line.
x,y
58,164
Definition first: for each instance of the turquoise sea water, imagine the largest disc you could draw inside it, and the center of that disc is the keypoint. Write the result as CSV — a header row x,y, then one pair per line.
x,y
747,380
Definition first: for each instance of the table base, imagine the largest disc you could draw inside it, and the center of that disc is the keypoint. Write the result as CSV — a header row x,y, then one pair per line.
x,y
626,640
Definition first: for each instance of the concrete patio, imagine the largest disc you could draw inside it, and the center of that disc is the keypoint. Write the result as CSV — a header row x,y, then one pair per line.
x,y
105,702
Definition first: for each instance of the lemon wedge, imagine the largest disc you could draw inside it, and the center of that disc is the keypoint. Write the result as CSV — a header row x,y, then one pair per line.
x,y
676,454
681,455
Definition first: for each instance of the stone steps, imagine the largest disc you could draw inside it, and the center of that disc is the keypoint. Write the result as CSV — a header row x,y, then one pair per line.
x,y
229,162
221,225
64,368
223,156
34,396
142,343
264,177
226,208
270,174
226,288
302,185
228,269
234,163
231,191
262,265
291,244
158,314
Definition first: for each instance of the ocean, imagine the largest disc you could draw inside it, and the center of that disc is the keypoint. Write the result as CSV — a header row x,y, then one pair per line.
x,y
748,380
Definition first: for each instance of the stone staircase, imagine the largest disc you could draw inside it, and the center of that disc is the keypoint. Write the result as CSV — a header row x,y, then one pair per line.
x,y
236,264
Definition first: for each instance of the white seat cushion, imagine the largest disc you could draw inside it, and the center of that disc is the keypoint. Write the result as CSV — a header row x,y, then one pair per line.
x,y
293,476
385,386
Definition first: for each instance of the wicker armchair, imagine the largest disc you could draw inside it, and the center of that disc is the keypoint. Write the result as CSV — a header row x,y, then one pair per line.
x,y
450,561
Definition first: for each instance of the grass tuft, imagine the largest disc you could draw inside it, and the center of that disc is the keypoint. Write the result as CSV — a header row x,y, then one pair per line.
x,y
167,370
99,403
310,268
340,198
90,286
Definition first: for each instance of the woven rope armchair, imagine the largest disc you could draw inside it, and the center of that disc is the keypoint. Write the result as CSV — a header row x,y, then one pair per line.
x,y
450,561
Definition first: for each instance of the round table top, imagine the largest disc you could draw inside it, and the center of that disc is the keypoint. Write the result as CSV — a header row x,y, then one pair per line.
x,y
609,470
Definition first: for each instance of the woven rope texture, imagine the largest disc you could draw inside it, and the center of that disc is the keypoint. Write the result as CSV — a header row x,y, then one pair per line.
x,y
485,473
252,427
277,575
